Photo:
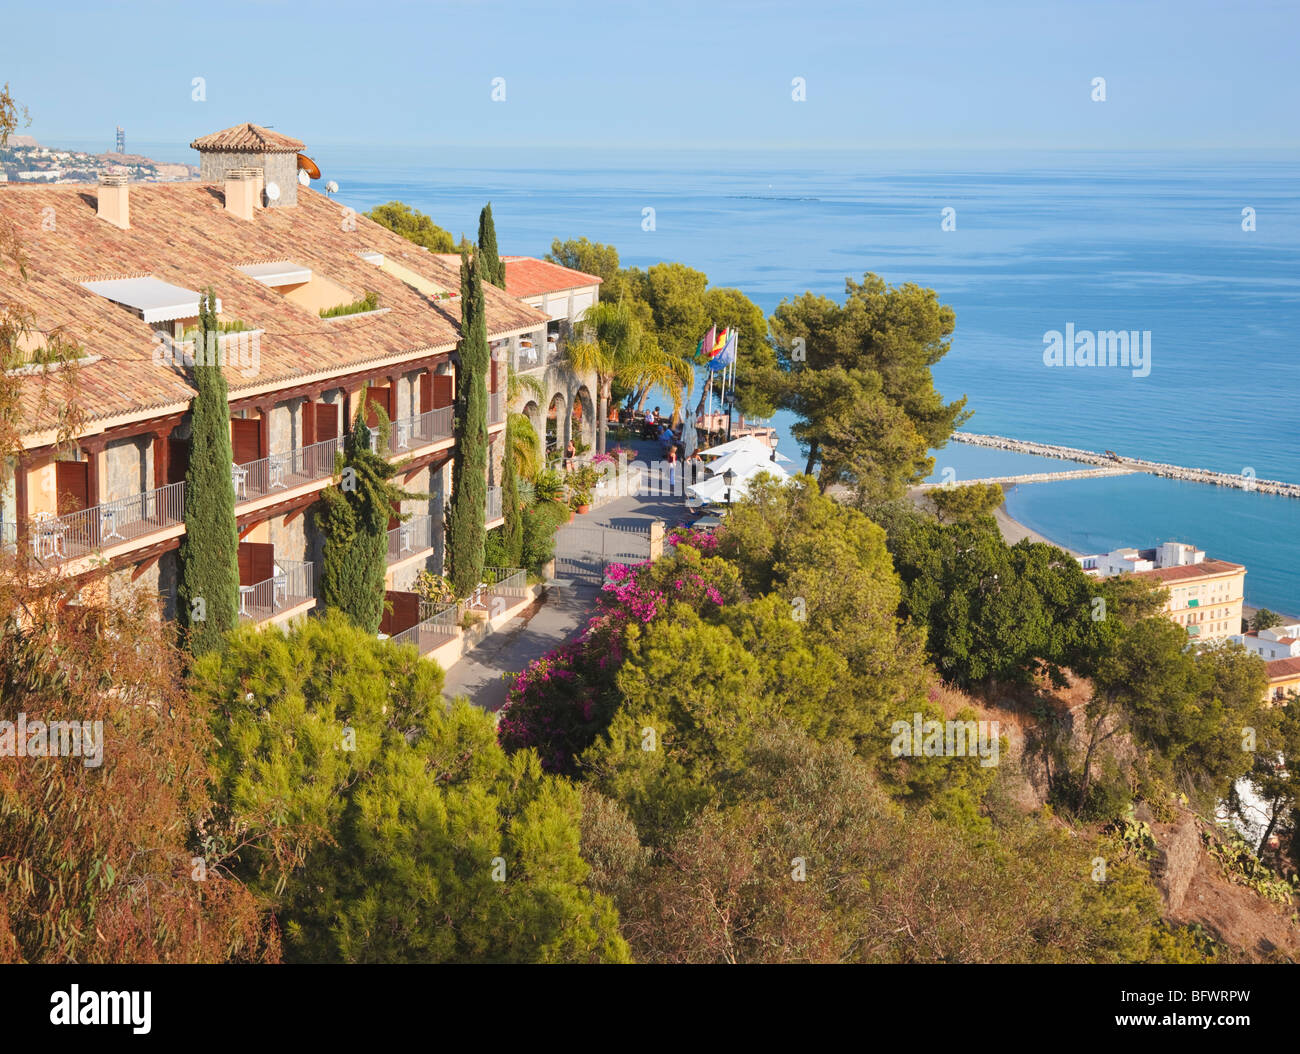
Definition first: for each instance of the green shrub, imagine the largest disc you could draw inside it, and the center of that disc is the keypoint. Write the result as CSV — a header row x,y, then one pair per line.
x,y
549,486
495,553
540,524
369,302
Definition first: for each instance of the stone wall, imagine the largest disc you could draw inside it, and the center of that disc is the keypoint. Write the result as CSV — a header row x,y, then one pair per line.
x,y
126,468
280,169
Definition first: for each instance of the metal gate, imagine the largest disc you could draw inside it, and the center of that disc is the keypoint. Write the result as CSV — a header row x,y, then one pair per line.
x,y
583,553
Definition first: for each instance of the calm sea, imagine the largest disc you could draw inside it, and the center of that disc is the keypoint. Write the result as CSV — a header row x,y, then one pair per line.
x,y
1117,241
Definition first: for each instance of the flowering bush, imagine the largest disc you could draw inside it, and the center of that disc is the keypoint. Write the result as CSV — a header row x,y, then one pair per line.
x,y
696,537
564,700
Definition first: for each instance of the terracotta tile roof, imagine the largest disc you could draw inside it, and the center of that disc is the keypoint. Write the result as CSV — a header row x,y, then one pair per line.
x,y
181,233
529,276
249,137
1280,669
1205,569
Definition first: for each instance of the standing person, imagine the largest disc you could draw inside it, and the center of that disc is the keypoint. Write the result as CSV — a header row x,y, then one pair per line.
x,y
672,471
570,452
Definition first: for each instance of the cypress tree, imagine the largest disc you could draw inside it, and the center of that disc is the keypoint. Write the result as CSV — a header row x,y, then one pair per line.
x,y
494,268
207,593
514,525
467,511
355,524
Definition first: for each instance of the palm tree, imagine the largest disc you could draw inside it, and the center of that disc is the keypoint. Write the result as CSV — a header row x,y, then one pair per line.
x,y
521,437
613,345
653,367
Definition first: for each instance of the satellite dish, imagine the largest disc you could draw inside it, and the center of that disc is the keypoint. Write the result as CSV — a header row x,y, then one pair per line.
x,y
303,178
331,187
273,191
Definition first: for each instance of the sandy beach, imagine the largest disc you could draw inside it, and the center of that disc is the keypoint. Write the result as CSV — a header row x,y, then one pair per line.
x,y
1014,531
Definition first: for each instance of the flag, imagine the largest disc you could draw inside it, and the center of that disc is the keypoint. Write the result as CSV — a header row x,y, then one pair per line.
x,y
727,355
720,342
704,349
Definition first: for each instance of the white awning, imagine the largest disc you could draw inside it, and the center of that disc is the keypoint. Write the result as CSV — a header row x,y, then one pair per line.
x,y
153,299
277,274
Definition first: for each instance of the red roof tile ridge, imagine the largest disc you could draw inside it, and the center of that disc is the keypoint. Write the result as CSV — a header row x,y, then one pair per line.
x,y
114,276
248,136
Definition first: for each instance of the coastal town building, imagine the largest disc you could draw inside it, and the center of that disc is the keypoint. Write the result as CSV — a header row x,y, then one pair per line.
x,y
1283,679
558,403
1277,642
118,273
1205,596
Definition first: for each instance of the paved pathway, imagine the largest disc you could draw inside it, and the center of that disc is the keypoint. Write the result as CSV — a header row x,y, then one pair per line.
x,y
562,611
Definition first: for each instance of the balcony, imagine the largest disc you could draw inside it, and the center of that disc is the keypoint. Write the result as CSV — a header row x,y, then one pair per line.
x,y
407,539
436,627
531,356
292,585
410,433
56,539
293,468
502,588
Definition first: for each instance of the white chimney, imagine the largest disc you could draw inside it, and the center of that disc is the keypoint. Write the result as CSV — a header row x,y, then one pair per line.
x,y
114,200
241,190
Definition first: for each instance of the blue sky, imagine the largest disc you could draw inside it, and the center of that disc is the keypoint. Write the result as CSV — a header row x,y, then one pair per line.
x,y
666,74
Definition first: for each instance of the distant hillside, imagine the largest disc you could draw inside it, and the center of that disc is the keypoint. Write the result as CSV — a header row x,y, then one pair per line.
x,y
24,160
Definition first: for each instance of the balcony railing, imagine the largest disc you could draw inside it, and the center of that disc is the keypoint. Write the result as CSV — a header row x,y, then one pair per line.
x,y
537,357
509,584
57,538
304,464
410,537
410,433
8,537
507,581
436,626
292,584
493,504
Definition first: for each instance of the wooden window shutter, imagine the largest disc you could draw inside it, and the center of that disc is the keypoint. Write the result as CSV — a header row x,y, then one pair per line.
x,y
72,484
444,393
246,439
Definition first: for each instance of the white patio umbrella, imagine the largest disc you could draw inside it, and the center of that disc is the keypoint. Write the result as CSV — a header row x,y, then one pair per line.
x,y
713,491
743,443
744,462
689,436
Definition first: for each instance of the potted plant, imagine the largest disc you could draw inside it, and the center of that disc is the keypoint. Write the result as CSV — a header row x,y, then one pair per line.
x,y
580,501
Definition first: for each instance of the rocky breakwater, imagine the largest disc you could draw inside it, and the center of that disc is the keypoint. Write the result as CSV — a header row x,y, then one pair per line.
x,y
1244,480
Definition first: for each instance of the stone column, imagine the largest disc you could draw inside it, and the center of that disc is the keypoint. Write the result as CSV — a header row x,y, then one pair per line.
x,y
656,539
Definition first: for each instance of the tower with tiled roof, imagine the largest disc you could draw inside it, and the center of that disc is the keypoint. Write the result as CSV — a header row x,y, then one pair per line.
x,y
249,145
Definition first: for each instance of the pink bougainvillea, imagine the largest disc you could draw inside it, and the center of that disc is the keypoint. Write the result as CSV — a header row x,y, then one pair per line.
x,y
563,700
696,537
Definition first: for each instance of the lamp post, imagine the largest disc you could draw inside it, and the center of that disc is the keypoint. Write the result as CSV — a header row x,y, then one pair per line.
x,y
729,477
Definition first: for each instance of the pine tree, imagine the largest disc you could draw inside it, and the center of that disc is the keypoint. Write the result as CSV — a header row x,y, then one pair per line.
x,y
467,511
494,268
355,524
207,594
